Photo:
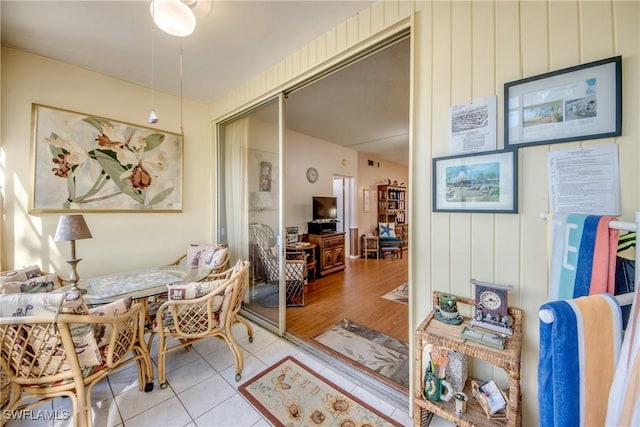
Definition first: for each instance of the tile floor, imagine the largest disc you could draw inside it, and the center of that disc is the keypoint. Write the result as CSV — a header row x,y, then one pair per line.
x,y
202,390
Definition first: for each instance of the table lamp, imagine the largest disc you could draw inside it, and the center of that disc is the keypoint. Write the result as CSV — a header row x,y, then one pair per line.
x,y
72,228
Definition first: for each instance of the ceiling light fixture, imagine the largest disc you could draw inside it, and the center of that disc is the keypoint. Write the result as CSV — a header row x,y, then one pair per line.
x,y
173,17
153,117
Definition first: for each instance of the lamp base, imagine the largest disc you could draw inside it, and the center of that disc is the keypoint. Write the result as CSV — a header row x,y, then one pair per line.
x,y
74,277
76,289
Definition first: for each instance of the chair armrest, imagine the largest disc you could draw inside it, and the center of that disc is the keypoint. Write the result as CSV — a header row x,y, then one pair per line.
x,y
125,333
177,262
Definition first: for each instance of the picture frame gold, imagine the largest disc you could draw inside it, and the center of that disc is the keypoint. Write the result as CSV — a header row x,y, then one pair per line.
x,y
86,163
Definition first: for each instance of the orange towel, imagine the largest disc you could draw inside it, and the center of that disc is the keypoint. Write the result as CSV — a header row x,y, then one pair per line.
x,y
604,258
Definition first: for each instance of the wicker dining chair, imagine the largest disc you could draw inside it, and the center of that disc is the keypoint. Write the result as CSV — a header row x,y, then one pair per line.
x,y
38,355
213,310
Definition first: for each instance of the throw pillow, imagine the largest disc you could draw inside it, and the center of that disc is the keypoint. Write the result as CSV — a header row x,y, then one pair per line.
x,y
117,308
45,283
387,230
82,333
190,290
47,305
20,275
30,304
200,257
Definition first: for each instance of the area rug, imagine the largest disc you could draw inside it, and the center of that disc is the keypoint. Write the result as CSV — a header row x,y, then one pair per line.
x,y
291,394
372,349
399,294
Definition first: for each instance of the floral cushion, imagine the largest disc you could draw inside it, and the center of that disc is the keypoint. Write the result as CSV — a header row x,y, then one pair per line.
x,y
48,305
44,283
117,308
82,333
202,257
31,304
387,229
20,275
190,290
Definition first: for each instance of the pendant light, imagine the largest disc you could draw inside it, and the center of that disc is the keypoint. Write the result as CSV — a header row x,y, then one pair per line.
x,y
153,117
173,17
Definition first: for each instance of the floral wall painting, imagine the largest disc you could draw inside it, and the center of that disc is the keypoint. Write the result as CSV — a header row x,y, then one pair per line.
x,y
88,163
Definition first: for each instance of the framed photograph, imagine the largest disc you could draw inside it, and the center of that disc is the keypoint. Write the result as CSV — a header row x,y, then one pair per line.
x,y
365,200
85,163
576,103
292,235
480,182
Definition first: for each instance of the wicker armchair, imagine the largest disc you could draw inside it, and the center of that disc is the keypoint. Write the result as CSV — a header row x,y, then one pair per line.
x,y
38,355
197,257
189,320
295,267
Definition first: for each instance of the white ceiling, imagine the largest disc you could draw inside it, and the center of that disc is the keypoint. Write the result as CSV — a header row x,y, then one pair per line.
x,y
233,42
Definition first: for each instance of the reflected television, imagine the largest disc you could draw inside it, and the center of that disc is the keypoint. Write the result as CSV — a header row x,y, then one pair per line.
x,y
325,208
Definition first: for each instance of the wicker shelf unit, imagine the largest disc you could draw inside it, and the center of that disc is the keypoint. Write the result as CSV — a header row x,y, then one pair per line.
x,y
432,331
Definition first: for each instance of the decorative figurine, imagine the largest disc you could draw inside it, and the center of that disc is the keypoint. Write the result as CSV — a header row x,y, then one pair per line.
x,y
448,312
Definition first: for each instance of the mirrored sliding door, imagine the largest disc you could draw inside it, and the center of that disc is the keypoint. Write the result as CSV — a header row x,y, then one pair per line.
x,y
249,200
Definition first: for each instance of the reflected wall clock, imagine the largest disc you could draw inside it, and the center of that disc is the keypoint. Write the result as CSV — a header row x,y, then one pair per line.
x,y
312,175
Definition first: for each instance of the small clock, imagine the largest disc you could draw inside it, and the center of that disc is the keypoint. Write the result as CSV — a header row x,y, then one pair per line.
x,y
312,175
491,307
491,300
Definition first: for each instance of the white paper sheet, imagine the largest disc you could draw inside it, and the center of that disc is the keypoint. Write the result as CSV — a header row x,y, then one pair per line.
x,y
585,180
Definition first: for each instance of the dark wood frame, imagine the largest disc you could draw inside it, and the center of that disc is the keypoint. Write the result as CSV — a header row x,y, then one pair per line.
x,y
508,166
606,73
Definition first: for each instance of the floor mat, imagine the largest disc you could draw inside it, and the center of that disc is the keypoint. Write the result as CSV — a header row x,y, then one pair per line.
x,y
399,294
374,350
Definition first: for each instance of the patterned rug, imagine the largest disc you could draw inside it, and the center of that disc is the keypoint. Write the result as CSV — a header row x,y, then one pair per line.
x,y
290,394
399,294
374,350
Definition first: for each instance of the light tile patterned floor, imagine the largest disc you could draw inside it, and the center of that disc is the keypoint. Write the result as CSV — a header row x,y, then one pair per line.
x,y
202,389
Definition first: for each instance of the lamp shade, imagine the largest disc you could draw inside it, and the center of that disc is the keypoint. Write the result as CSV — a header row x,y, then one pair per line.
x,y
173,17
72,227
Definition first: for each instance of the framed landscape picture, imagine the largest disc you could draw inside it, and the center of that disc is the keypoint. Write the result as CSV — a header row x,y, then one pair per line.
x,y
481,182
85,163
576,103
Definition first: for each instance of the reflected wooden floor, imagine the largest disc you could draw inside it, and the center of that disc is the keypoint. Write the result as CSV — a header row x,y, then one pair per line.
x,y
354,294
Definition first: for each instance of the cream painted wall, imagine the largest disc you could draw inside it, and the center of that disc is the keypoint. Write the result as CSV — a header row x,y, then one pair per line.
x,y
121,241
464,50
302,152
369,177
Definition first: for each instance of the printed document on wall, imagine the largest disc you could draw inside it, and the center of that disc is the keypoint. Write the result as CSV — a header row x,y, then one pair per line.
x,y
585,180
472,126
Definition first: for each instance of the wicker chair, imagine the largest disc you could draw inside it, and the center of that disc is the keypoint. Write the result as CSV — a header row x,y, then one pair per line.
x,y
192,257
38,356
295,267
187,321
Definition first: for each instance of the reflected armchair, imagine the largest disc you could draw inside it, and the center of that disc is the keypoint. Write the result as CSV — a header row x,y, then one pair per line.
x,y
295,267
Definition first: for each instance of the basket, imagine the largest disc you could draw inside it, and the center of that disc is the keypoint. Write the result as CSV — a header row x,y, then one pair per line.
x,y
501,415
5,389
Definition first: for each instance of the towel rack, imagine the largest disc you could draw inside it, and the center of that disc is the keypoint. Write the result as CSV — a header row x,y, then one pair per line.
x,y
623,299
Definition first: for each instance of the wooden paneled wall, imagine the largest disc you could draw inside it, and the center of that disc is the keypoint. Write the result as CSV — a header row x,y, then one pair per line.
x,y
461,51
